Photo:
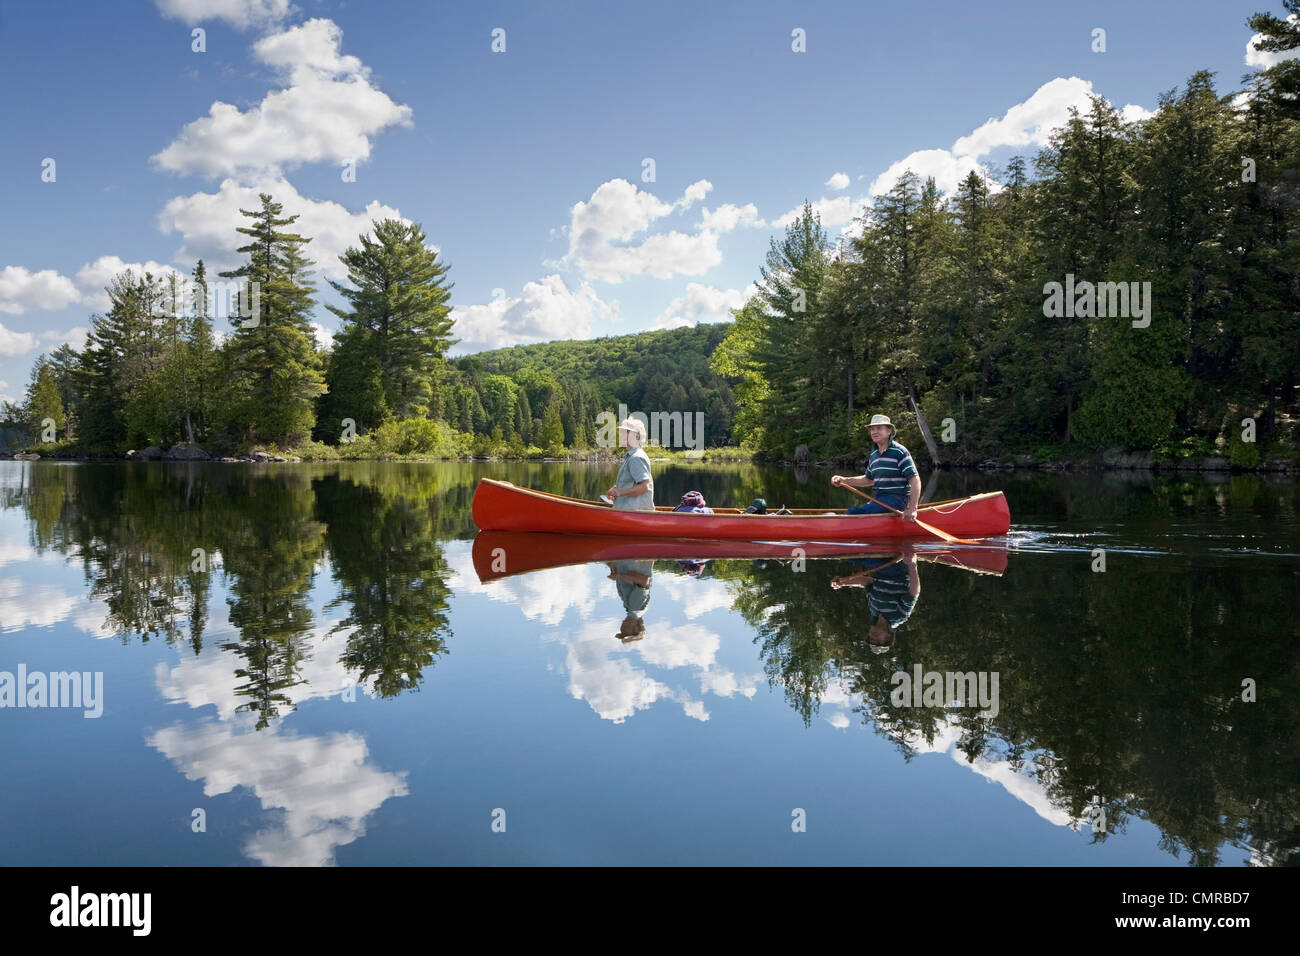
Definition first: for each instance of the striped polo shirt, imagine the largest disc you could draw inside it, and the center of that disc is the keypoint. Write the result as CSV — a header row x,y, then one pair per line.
x,y
890,469
889,596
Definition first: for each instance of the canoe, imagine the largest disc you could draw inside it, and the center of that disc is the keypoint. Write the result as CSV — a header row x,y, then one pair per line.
x,y
501,554
501,506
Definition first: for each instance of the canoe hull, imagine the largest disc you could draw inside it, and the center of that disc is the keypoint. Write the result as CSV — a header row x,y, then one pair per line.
x,y
501,506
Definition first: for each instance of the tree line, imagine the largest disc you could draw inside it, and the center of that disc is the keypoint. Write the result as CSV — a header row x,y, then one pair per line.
x,y
154,370
938,310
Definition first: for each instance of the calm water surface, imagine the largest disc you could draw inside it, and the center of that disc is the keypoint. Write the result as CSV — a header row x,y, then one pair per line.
x,y
312,664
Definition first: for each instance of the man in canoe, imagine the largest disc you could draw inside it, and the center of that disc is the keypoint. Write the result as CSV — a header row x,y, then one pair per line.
x,y
890,471
634,488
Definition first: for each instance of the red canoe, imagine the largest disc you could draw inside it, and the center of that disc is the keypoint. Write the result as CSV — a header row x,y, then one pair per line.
x,y
501,506
500,554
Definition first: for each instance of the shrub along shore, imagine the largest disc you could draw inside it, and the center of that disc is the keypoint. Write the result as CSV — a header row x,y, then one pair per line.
x,y
462,447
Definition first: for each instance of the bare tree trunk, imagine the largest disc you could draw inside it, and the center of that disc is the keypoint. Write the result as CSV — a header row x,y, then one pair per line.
x,y
925,429
189,428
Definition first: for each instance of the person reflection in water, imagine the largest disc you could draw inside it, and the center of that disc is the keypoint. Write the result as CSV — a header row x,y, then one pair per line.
x,y
633,581
892,589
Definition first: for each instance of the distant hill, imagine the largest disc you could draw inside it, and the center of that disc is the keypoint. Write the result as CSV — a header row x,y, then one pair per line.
x,y
665,370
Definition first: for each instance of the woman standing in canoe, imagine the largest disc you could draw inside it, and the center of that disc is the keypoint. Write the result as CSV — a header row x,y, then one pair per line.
x,y
634,488
890,470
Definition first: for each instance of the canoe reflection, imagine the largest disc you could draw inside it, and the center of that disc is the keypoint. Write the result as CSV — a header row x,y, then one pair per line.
x,y
500,554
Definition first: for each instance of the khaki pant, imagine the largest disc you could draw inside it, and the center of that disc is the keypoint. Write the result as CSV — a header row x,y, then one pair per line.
x,y
645,502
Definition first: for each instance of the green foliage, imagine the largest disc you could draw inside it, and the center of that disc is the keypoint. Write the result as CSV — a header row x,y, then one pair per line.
x,y
43,401
941,300
1243,454
398,321
316,451
1192,447
275,375
552,436
420,436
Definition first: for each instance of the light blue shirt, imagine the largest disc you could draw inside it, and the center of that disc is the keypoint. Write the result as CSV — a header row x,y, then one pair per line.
x,y
634,469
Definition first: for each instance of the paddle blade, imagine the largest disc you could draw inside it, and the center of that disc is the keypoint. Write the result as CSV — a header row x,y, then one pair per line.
x,y
944,534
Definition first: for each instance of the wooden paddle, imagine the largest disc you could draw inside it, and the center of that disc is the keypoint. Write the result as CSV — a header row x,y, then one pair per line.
x,y
930,528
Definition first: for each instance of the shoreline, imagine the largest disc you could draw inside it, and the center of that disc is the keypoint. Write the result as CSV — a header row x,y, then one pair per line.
x,y
1098,462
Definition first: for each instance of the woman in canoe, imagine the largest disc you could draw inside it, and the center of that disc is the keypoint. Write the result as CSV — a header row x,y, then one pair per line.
x,y
890,471
634,488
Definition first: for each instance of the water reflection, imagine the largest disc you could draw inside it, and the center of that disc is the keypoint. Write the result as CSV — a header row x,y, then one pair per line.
x,y
633,579
893,587
321,786
277,587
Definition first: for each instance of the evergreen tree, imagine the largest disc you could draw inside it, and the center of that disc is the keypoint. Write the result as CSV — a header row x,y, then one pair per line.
x,y
43,401
552,436
1280,84
398,298
275,369
64,361
114,361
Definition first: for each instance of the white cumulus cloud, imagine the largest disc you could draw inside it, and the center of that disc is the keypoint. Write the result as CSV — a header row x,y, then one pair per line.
x,y
75,337
838,181
702,303
728,216
946,169
1027,124
545,310
15,343
93,278
207,222
601,230
240,14
836,211
329,112
1265,60
21,289
324,337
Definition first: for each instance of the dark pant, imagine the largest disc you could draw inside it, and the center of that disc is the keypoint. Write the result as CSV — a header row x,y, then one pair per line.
x,y
871,508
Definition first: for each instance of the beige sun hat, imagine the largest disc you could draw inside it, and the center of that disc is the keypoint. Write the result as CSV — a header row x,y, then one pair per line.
x,y
634,425
883,420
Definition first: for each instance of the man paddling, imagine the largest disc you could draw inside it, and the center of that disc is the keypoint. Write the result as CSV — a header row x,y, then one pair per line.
x,y
890,471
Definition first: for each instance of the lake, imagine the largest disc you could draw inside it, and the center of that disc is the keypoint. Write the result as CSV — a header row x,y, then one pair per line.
x,y
312,665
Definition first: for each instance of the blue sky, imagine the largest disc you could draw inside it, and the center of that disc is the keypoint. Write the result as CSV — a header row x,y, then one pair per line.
x,y
525,167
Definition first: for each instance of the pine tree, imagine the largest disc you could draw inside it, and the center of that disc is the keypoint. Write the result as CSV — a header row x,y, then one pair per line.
x,y
43,402
275,370
64,361
552,436
1280,84
356,388
398,296
116,360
